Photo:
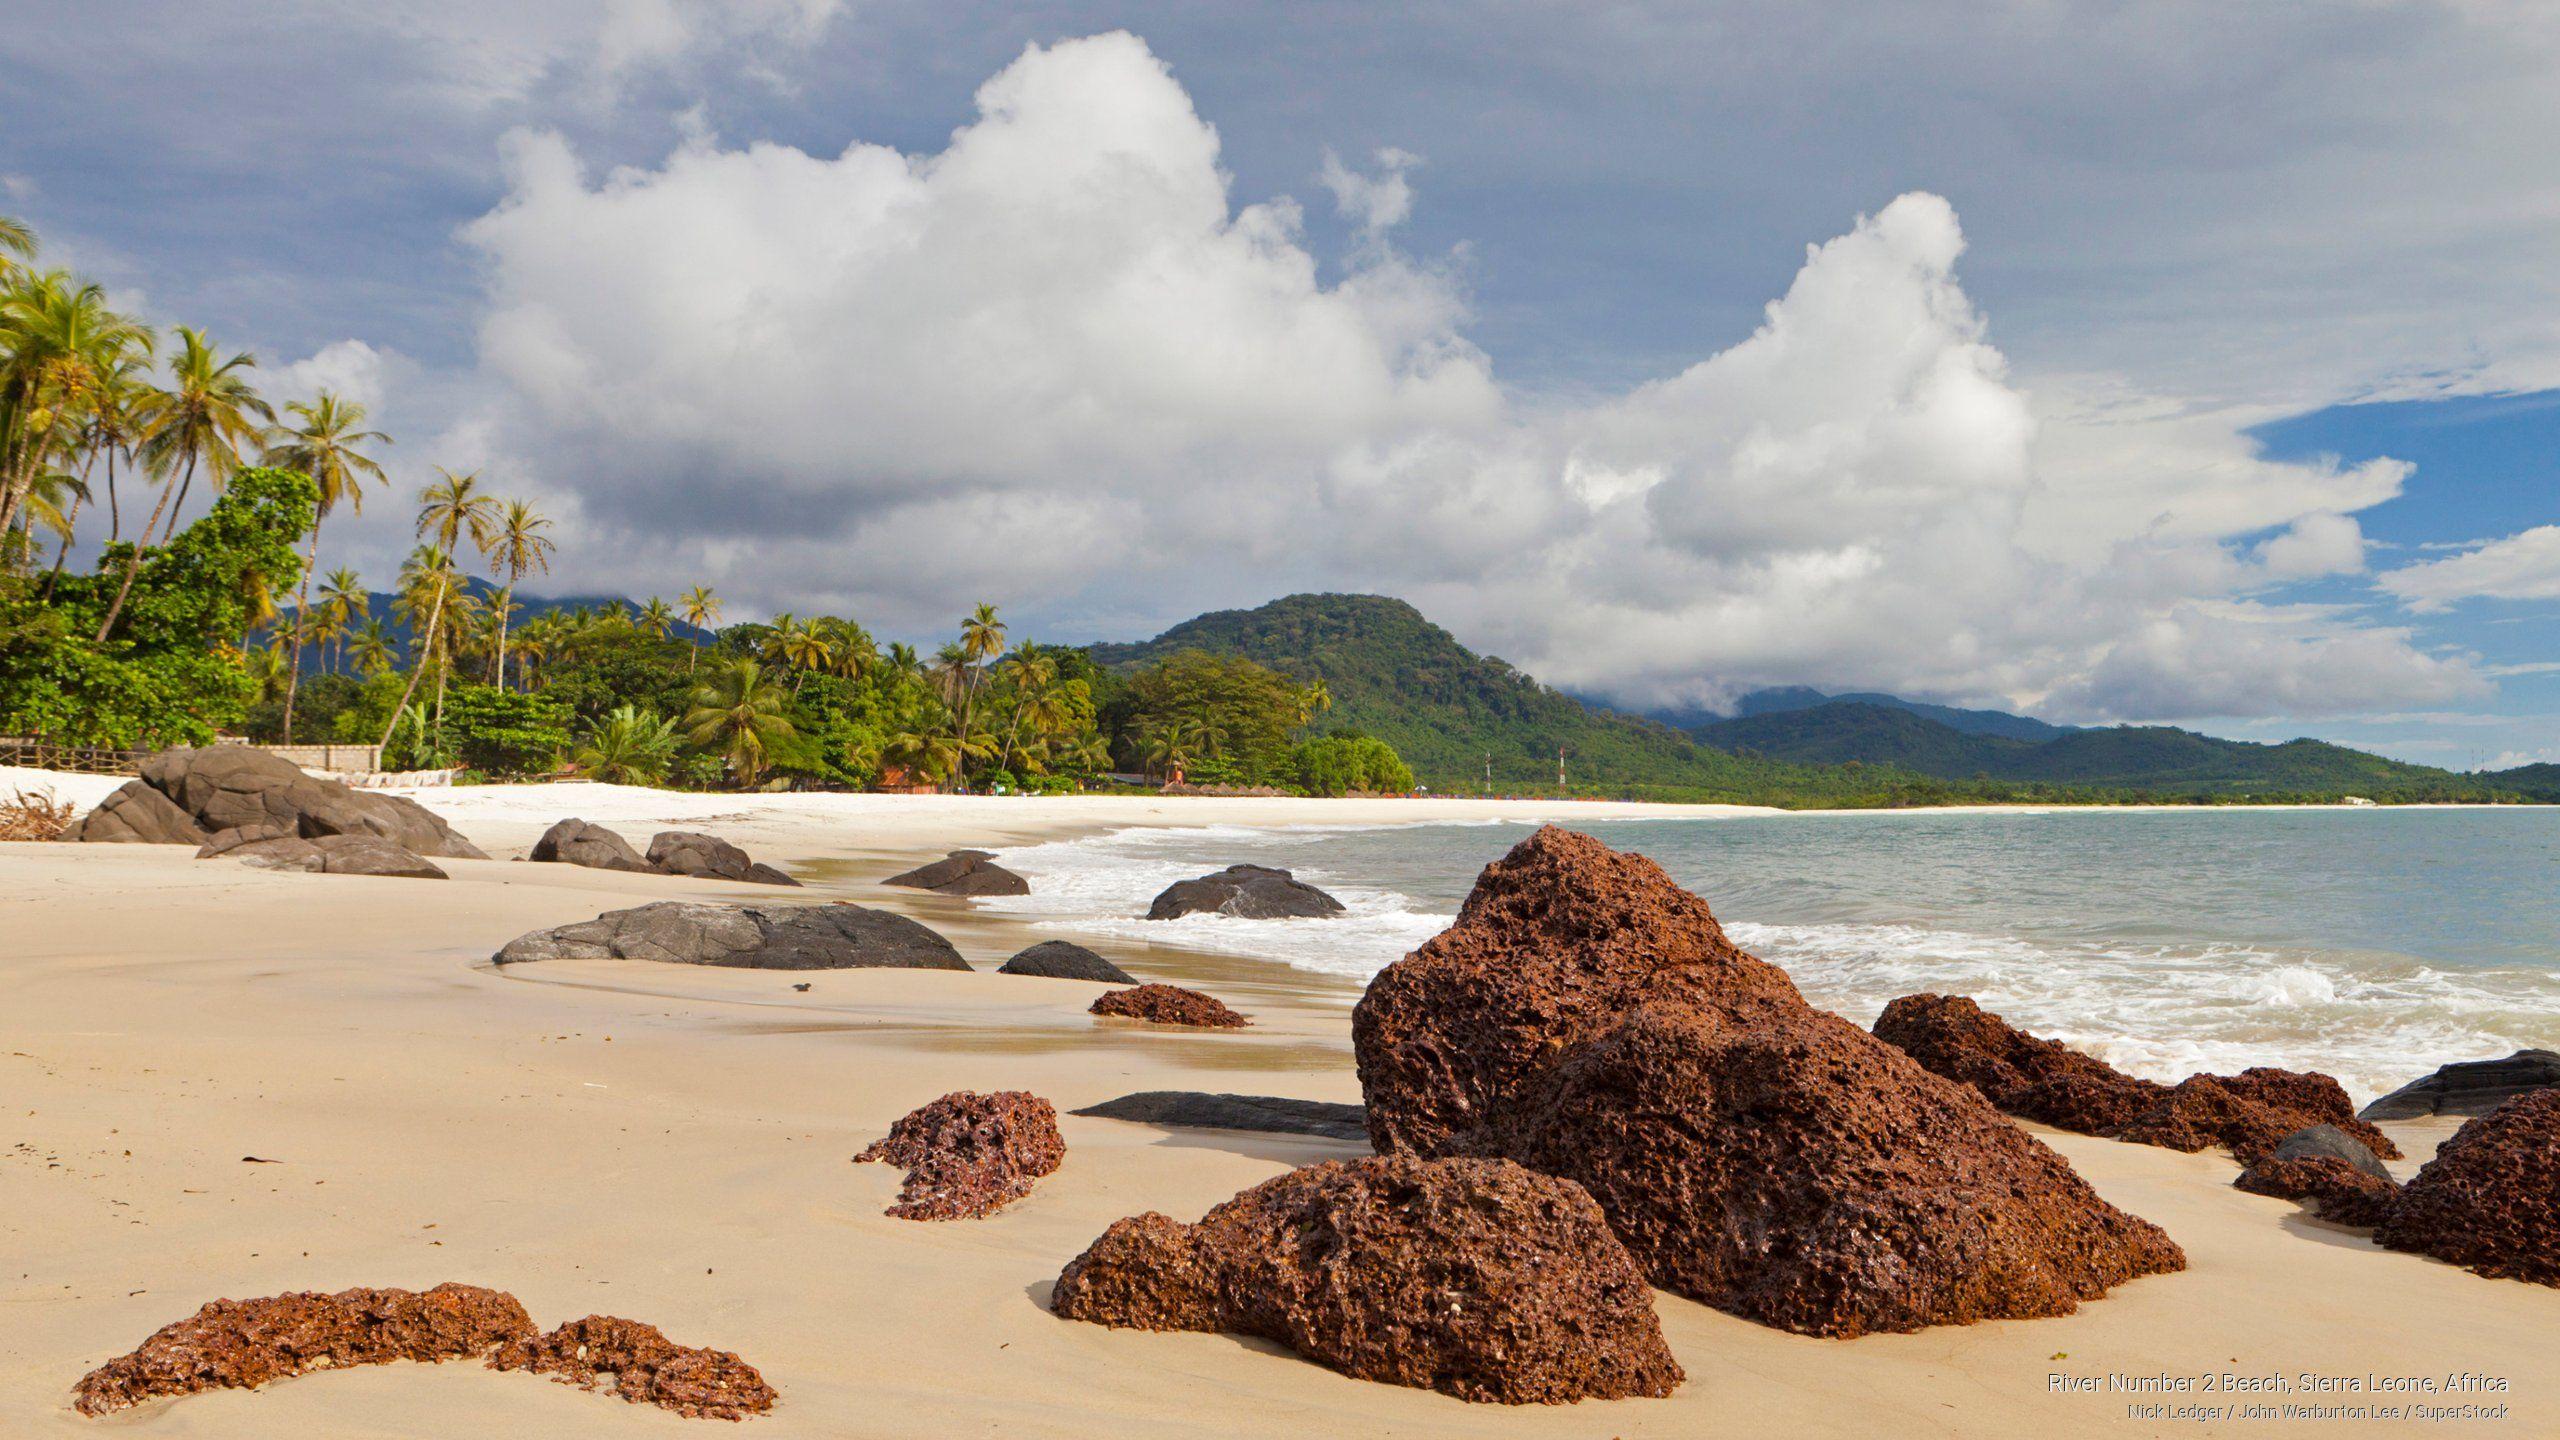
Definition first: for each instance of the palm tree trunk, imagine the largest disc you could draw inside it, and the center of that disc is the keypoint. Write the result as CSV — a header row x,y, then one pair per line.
x,y
115,509
506,602
133,563
301,607
417,672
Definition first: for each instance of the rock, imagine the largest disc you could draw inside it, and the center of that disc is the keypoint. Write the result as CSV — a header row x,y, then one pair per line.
x,y
1059,960
2469,1087
2490,1199
228,786
575,842
1169,1005
1587,1017
2328,1168
2047,1081
644,1367
1269,1113
136,814
1475,1278
963,872
333,855
246,1343
969,1155
687,852
1254,892
239,835
781,937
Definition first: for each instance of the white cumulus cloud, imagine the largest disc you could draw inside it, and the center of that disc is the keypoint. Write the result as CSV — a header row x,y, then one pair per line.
x,y
2523,566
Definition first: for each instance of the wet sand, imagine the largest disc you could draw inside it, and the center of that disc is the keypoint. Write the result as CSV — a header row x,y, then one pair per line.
x,y
672,1144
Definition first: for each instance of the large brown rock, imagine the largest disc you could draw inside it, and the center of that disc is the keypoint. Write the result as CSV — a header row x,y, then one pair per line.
x,y
2490,1199
708,857
136,814
1475,1278
2248,1113
970,1154
230,787
776,937
577,842
246,1343
643,1366
963,872
1587,1017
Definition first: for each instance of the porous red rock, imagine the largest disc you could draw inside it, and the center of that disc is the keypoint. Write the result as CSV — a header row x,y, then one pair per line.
x,y
246,1343
2490,1199
1169,1005
970,1154
1475,1278
2338,1191
1588,1018
2248,1113
640,1364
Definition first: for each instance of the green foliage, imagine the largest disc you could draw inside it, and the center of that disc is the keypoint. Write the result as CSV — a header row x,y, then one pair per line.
x,y
323,698
504,732
172,670
1348,764
614,665
630,746
1220,718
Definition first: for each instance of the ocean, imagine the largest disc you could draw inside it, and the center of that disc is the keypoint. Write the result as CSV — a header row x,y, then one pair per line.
x,y
2371,944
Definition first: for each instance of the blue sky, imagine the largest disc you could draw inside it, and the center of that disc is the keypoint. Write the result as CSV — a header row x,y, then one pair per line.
x,y
2182,362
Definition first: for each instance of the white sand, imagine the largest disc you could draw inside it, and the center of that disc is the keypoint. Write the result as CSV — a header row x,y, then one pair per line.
x,y
671,1144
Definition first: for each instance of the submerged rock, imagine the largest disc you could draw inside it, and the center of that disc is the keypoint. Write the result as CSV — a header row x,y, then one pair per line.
x,y
2328,1168
136,814
1587,1017
644,1367
1060,960
788,937
2469,1087
1475,1278
1252,892
963,872
2490,1199
576,842
1272,1114
1169,1005
708,857
242,1344
968,1154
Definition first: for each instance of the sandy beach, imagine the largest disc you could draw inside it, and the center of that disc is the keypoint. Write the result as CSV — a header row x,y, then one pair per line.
x,y
671,1144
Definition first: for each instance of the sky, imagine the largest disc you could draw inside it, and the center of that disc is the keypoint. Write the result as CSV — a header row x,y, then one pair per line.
x,y
2174,363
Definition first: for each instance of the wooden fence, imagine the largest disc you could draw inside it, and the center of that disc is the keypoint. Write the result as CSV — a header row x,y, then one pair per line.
x,y
76,759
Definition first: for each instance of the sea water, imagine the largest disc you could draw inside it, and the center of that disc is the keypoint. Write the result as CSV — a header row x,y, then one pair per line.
x,y
2372,944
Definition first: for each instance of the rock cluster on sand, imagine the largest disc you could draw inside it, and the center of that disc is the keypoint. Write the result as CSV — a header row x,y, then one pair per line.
x,y
969,1154
792,937
1251,892
1475,1278
1169,1005
1060,960
226,787
963,872
1272,1114
577,842
2470,1087
2328,1168
642,1366
246,1343
242,1344
1587,1018
2490,1199
2047,1081
708,857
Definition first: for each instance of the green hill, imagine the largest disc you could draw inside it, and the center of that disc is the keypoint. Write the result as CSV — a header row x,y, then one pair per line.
x,y
2541,781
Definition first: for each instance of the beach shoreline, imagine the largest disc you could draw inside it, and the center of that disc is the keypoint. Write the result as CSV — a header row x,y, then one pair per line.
x,y
671,1143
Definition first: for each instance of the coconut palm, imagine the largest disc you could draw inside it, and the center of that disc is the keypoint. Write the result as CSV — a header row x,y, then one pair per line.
x,y
1314,700
701,607
342,599
449,509
739,713
802,646
427,585
17,245
630,746
323,447
981,639
1030,674
657,617
516,547
200,421
61,343
370,648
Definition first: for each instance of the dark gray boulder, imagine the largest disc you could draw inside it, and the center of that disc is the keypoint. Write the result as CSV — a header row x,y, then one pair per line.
x,y
136,814
778,937
2468,1087
2328,1142
963,872
333,855
1272,1114
1060,960
1253,892
576,842
708,857
233,787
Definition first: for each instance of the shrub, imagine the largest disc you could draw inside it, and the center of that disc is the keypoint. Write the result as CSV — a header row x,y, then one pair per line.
x,y
504,732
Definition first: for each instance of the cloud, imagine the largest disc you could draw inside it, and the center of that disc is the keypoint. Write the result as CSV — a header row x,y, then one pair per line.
x,y
1055,364
495,52
2523,566
352,369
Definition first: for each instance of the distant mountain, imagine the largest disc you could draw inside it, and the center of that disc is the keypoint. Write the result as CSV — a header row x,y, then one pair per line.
x,y
1969,722
2542,781
380,606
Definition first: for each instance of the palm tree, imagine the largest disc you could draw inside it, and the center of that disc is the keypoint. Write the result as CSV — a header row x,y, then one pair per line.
x,y
656,617
370,648
17,244
1314,700
62,341
200,421
802,646
1030,673
739,713
701,607
342,599
981,638
112,428
630,746
427,583
324,448
518,547
451,508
